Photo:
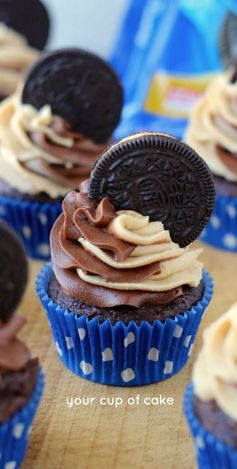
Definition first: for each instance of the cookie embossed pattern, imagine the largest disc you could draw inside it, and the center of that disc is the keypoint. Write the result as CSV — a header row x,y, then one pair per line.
x,y
126,292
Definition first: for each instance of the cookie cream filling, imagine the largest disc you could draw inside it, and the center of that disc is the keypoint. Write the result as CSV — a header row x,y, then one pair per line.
x,y
213,126
39,152
15,57
215,371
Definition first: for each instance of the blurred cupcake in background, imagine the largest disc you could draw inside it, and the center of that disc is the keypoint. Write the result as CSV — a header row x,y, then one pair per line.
x,y
126,292
51,133
210,402
24,29
212,132
21,378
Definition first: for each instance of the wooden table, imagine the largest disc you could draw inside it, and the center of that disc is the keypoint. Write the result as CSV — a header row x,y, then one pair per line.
x,y
128,436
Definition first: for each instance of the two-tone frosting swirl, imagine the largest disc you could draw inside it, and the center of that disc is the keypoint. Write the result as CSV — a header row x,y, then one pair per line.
x,y
215,371
212,131
15,57
108,258
40,153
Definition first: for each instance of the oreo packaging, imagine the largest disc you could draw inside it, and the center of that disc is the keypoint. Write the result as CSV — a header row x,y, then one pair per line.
x,y
228,39
27,17
13,272
158,176
81,88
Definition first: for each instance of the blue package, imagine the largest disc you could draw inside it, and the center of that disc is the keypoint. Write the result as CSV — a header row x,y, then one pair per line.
x,y
166,54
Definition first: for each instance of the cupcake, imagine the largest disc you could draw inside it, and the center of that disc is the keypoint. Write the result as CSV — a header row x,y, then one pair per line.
x,y
212,133
211,399
24,28
51,133
21,379
126,291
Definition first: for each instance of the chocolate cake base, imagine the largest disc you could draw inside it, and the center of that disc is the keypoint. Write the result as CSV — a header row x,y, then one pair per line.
x,y
224,187
42,197
16,388
216,421
147,312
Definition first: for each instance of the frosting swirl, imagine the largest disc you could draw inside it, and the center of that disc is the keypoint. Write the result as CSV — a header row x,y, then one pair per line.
x,y
212,131
15,57
215,371
14,354
39,152
108,258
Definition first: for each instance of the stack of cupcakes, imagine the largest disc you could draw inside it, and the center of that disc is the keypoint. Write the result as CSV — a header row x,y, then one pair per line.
x,y
125,293
212,133
211,399
51,134
21,379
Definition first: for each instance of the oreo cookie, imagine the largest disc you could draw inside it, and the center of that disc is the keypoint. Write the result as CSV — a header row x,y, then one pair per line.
x,y
27,17
81,88
228,39
159,176
13,274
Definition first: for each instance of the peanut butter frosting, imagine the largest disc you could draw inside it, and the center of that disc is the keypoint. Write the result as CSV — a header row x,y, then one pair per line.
x,y
215,371
212,131
109,258
15,57
39,152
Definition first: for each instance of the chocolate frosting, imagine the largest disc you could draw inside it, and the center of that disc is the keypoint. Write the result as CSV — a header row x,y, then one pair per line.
x,y
82,218
14,354
76,161
229,159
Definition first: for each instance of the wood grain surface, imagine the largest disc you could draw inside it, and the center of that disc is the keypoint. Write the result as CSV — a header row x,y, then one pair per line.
x,y
129,436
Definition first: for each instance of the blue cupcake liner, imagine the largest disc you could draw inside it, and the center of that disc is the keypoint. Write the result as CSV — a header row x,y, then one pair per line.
x,y
211,452
32,221
221,231
122,355
14,434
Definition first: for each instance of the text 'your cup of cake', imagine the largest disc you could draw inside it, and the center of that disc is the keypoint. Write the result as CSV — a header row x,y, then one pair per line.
x,y
51,133
126,291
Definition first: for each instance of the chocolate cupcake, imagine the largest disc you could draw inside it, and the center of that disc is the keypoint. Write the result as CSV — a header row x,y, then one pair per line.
x,y
51,133
212,133
125,293
21,379
211,399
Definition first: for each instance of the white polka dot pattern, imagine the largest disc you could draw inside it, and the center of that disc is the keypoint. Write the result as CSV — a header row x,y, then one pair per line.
x,y
82,333
127,375
153,354
86,368
107,355
129,339
18,430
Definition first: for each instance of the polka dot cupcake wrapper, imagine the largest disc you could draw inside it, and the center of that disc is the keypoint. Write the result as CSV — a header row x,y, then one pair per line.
x,y
221,231
32,221
210,451
14,434
122,355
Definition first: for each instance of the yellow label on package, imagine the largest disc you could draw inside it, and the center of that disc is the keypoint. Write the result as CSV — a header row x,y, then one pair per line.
x,y
174,95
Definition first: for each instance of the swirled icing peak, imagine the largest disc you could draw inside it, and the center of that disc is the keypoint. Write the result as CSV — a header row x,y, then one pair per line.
x,y
15,57
212,131
215,371
39,151
108,258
